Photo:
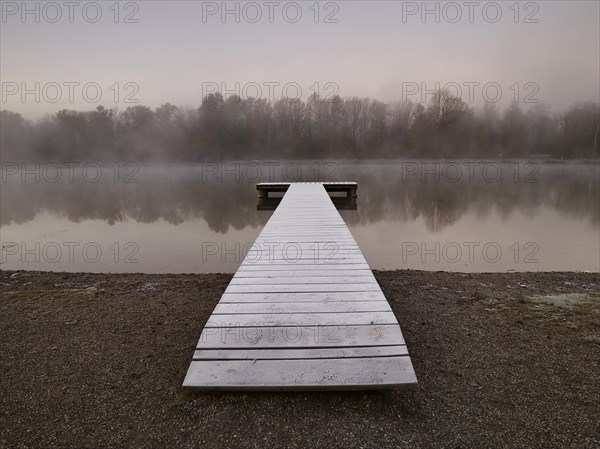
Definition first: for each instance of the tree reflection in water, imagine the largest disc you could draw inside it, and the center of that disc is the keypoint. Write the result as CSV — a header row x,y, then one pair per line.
x,y
177,194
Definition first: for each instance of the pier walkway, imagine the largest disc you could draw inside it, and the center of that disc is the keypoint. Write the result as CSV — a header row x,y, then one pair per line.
x,y
303,311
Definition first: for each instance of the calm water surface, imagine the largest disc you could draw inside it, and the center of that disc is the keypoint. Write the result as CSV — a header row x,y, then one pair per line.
x,y
449,215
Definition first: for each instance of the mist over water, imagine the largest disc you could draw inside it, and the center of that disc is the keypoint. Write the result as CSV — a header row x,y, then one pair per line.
x,y
457,215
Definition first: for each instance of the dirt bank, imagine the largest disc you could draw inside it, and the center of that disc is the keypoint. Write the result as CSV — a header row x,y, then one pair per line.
x,y
503,360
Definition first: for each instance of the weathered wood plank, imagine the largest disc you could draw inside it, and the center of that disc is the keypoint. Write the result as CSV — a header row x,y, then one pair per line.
x,y
304,374
300,337
248,267
265,280
299,288
300,353
303,273
298,253
303,307
375,295
300,319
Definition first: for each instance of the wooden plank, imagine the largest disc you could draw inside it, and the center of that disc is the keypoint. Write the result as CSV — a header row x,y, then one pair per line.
x,y
299,253
303,307
299,288
314,261
248,267
307,238
374,295
300,353
266,280
325,183
287,242
291,251
300,319
301,266
300,337
303,273
304,259
303,374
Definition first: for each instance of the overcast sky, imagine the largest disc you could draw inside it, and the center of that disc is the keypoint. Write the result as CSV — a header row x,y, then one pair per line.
x,y
384,50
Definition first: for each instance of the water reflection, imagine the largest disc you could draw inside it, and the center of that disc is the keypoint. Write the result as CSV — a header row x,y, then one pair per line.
x,y
342,203
174,217
178,194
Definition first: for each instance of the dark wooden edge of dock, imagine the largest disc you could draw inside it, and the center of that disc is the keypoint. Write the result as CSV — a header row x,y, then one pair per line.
x,y
349,187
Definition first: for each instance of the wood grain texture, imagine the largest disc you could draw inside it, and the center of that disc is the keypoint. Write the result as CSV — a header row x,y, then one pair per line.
x,y
301,374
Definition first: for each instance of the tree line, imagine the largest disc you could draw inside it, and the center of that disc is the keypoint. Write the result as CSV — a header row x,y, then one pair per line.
x,y
234,128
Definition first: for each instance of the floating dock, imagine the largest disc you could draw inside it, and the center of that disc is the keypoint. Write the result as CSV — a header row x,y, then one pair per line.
x,y
303,311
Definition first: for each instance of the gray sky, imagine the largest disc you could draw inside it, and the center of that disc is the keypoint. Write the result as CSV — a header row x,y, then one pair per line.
x,y
384,50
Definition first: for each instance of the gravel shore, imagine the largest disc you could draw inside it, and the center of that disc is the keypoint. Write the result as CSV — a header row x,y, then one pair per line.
x,y
97,360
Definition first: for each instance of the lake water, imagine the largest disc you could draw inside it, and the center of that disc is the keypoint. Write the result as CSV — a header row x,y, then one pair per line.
x,y
464,215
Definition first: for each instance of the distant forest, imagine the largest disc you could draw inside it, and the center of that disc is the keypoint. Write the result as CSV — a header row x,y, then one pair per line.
x,y
350,128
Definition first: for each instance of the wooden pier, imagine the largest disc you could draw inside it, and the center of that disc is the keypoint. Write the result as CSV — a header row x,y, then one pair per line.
x,y
304,311
349,188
